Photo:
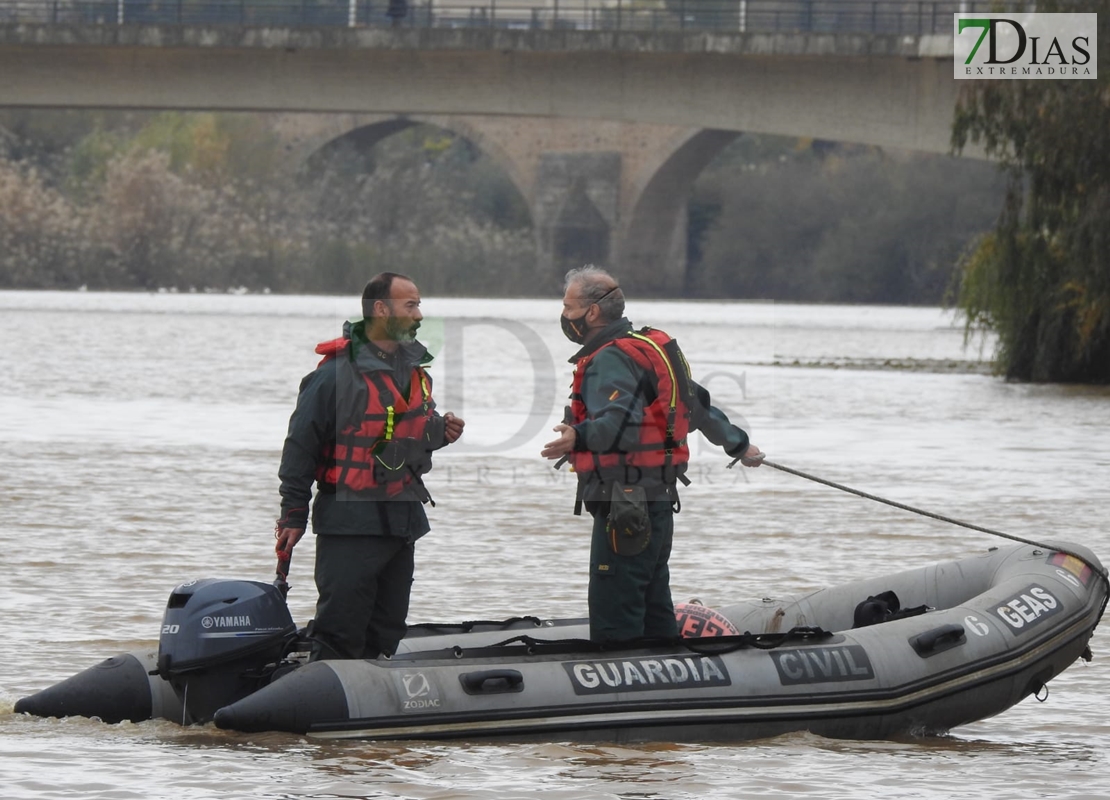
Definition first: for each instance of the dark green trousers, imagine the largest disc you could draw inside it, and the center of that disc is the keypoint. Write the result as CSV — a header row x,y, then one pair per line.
x,y
630,596
364,584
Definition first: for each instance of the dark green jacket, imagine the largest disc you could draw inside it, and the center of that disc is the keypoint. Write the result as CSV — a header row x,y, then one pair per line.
x,y
615,390
330,398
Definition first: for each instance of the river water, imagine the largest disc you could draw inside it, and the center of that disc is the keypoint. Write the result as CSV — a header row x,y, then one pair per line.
x,y
139,443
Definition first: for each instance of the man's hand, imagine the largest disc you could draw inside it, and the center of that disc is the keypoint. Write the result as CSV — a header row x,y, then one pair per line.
x,y
752,457
561,446
287,539
452,427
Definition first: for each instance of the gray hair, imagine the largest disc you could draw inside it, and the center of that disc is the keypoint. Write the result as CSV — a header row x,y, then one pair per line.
x,y
598,286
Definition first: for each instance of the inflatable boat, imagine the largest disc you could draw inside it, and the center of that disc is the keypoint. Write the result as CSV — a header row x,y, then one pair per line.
x,y
917,652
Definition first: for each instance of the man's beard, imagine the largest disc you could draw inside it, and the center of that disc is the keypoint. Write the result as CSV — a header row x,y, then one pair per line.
x,y
398,329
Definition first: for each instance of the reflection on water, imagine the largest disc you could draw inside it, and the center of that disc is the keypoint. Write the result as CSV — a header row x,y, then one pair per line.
x,y
143,453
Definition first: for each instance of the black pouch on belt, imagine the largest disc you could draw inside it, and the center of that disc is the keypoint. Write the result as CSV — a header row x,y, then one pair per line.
x,y
400,460
628,526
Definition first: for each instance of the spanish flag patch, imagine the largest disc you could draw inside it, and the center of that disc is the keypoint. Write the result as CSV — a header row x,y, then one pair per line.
x,y
616,393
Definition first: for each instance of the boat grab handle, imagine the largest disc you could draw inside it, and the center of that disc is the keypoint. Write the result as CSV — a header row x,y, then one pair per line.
x,y
492,681
938,640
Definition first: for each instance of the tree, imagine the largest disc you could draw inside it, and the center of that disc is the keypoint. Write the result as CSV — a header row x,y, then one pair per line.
x,y
1041,279
803,221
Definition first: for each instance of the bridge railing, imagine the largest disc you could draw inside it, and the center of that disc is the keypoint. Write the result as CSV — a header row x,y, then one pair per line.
x,y
907,17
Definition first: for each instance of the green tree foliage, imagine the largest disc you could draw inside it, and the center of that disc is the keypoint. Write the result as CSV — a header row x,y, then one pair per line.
x,y
215,148
815,222
1041,278
45,139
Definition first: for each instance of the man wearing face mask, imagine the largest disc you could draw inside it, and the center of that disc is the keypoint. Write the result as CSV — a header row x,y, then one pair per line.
x,y
633,404
363,431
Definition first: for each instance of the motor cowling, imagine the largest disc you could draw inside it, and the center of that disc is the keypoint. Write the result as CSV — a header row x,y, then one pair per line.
x,y
221,640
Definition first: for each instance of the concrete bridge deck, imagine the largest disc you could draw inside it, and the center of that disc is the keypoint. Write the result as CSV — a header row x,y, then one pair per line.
x,y
893,91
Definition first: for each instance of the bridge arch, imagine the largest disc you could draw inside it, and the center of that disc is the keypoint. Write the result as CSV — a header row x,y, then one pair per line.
x,y
312,137
654,236
609,193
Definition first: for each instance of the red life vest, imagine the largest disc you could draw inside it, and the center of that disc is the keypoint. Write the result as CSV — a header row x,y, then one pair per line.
x,y
666,419
388,449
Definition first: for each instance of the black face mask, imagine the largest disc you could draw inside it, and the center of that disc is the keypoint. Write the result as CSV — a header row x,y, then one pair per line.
x,y
574,329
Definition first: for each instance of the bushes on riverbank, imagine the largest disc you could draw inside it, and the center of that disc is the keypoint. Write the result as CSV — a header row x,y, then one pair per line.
x,y
186,201
214,201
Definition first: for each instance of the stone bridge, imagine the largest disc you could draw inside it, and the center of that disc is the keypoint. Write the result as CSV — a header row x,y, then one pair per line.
x,y
602,132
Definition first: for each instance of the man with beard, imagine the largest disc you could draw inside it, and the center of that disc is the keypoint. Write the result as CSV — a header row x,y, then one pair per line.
x,y
364,430
633,404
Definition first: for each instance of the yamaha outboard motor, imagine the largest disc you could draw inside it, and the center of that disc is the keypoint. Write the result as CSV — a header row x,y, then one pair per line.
x,y
222,640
